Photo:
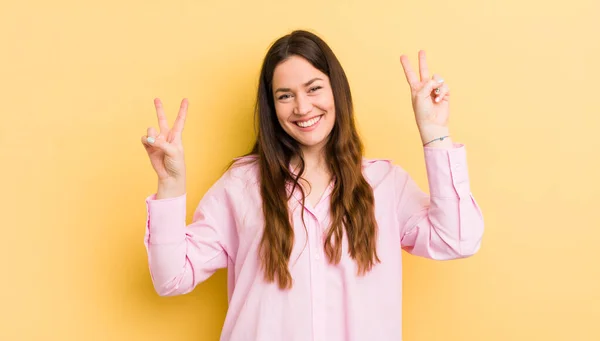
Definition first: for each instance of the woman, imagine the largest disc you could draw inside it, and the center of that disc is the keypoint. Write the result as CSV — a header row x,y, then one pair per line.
x,y
310,231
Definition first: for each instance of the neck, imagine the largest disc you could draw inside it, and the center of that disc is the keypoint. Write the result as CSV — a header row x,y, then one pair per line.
x,y
315,160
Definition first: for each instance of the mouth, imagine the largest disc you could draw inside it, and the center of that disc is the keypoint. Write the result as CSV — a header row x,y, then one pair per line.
x,y
308,123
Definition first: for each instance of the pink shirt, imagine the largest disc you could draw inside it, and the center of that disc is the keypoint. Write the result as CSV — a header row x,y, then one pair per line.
x,y
327,302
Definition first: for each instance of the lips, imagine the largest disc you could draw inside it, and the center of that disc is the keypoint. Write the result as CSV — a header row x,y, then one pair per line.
x,y
308,123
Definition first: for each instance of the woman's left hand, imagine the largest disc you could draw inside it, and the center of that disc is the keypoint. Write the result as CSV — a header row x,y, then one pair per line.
x,y
430,96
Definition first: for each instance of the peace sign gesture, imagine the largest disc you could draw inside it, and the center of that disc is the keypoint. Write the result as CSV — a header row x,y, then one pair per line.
x,y
165,149
430,96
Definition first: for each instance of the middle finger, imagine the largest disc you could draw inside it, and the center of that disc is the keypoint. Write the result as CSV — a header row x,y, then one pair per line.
x,y
423,67
180,121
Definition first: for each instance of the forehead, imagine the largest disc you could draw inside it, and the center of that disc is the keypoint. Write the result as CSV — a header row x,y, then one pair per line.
x,y
295,71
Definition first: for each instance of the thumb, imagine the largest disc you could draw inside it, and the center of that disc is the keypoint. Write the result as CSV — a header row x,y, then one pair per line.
x,y
430,86
161,143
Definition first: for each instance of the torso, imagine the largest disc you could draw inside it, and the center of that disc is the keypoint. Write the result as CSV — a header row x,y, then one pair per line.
x,y
327,301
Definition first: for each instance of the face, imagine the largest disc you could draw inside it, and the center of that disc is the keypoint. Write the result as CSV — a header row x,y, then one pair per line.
x,y
303,102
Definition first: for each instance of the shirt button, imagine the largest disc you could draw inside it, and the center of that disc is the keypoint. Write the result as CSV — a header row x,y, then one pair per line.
x,y
317,257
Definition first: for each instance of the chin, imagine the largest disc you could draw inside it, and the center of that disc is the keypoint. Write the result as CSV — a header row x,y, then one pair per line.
x,y
312,143
318,139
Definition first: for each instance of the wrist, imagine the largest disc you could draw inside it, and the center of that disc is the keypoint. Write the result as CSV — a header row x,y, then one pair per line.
x,y
429,133
436,137
170,188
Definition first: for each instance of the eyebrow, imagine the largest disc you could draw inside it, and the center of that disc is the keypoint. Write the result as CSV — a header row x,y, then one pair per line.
x,y
305,84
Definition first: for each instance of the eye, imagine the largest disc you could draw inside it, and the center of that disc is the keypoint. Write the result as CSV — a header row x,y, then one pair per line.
x,y
286,96
315,88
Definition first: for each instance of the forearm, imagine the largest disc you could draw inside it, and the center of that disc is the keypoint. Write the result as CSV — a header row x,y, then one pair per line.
x,y
180,256
446,223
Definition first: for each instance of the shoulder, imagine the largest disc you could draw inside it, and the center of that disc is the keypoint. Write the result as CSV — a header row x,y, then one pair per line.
x,y
235,181
243,171
380,171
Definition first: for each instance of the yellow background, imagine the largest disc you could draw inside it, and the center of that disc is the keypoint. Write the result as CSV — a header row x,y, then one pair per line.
x,y
77,83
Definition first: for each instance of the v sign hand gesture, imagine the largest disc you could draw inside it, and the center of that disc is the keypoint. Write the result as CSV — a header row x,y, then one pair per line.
x,y
165,150
430,102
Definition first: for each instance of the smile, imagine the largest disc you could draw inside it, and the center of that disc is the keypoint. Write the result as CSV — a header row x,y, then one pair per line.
x,y
308,123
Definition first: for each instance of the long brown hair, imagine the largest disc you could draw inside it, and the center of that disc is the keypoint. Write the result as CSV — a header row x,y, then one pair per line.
x,y
352,202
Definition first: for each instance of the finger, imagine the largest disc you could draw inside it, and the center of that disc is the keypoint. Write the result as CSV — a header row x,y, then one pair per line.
x,y
163,124
158,142
428,88
437,88
441,94
146,143
437,78
411,77
180,121
149,142
423,67
150,137
162,143
151,132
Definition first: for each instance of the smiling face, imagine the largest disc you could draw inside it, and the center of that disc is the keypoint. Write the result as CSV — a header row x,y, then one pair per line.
x,y
303,102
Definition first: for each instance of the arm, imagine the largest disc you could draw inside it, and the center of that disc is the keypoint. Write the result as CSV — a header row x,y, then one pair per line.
x,y
179,256
447,224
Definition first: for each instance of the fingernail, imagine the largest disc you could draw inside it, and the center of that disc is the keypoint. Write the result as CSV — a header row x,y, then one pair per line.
x,y
441,81
437,99
150,139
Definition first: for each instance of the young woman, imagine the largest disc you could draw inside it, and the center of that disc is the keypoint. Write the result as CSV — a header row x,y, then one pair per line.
x,y
311,233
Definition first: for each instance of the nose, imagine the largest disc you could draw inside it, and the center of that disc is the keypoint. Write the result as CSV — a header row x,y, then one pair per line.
x,y
303,105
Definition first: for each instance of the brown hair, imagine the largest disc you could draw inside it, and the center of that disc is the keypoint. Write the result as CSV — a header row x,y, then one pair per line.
x,y
352,202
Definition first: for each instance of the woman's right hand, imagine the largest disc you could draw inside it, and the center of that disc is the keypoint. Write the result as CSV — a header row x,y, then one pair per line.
x,y
165,148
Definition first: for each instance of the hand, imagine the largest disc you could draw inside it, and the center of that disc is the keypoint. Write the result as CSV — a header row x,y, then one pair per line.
x,y
431,108
165,149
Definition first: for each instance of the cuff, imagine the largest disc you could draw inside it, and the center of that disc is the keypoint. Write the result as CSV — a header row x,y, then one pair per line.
x,y
166,221
447,171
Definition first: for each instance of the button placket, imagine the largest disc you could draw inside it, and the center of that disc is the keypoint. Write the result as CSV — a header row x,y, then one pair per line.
x,y
319,279
319,238
316,274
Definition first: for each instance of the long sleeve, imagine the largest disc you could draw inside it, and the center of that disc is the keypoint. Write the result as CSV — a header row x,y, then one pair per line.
x,y
180,256
447,223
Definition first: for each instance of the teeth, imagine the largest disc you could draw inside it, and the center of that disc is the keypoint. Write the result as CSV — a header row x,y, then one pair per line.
x,y
309,123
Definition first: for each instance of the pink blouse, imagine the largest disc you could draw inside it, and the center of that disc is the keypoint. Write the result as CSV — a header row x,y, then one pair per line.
x,y
327,302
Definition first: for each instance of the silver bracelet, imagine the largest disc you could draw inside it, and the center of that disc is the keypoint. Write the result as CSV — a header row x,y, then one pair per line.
x,y
439,138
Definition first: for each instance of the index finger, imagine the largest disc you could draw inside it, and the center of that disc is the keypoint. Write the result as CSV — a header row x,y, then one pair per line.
x,y
423,68
163,124
411,77
180,121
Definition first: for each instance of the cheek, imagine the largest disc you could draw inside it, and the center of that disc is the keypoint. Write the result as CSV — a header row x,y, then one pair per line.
x,y
328,103
282,112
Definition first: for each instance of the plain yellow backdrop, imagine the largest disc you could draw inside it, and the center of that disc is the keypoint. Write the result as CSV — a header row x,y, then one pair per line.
x,y
77,83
